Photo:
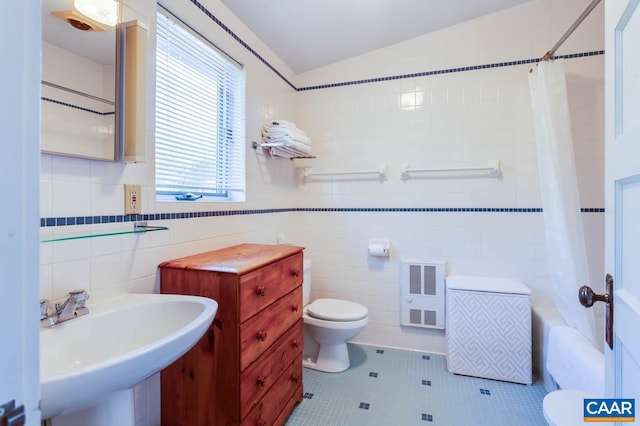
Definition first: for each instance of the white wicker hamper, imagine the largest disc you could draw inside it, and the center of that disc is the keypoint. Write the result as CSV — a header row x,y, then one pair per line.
x,y
488,328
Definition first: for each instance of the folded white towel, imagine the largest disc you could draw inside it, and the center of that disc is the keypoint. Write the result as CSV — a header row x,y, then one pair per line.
x,y
295,134
282,152
291,141
573,362
281,128
294,146
285,138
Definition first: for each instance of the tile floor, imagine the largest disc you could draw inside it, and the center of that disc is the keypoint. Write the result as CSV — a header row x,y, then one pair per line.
x,y
402,388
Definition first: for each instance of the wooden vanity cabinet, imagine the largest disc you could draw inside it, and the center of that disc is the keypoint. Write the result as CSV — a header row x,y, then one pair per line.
x,y
247,368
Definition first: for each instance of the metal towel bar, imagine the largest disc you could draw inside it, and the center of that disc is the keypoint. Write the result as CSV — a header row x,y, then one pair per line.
x,y
381,172
493,170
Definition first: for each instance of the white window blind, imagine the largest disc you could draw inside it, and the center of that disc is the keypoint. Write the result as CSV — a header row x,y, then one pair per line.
x,y
200,120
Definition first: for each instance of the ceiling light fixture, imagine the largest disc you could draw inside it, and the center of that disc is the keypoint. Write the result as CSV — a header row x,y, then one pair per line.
x,y
103,11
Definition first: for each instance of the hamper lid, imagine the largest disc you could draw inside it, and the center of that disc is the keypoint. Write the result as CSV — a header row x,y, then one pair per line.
x,y
486,284
336,310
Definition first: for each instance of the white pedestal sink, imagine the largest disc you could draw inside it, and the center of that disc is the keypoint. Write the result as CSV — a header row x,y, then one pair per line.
x,y
89,365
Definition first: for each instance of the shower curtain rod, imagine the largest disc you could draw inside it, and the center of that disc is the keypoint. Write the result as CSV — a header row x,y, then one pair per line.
x,y
571,29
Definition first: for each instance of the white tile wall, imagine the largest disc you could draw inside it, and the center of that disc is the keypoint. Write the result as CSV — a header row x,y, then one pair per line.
x,y
443,120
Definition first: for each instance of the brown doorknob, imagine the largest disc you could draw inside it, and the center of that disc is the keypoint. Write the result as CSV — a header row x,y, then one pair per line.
x,y
588,297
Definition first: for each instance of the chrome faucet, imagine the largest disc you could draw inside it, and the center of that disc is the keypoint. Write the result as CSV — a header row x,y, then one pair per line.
x,y
72,306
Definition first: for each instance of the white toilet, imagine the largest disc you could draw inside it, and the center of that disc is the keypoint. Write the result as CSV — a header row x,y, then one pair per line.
x,y
328,325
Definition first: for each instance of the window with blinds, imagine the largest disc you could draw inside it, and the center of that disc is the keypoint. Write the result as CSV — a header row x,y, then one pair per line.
x,y
200,118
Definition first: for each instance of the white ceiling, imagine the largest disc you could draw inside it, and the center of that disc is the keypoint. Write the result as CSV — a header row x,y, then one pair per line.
x,y
308,34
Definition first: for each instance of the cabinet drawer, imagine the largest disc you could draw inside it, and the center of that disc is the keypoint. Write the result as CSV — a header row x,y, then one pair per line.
x,y
262,374
262,287
263,329
269,408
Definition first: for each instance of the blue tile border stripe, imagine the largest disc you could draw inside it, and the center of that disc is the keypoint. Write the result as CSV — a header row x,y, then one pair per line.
x,y
447,71
76,106
379,79
46,222
93,220
242,42
89,220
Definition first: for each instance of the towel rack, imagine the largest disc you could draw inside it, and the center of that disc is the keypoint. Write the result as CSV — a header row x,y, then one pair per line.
x,y
255,145
381,172
493,170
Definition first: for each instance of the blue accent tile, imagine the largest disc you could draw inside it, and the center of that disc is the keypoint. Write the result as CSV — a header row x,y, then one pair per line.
x,y
427,417
378,79
87,220
65,104
379,351
427,357
372,374
239,40
364,405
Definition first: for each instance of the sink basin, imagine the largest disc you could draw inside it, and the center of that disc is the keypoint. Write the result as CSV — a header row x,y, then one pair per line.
x,y
87,361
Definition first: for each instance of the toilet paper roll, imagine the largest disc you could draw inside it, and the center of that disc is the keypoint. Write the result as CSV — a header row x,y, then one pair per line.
x,y
378,249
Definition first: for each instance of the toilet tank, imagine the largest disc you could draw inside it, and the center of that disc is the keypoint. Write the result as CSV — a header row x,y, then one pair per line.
x,y
306,282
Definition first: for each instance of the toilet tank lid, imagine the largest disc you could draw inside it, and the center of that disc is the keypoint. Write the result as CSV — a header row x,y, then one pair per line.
x,y
486,284
336,310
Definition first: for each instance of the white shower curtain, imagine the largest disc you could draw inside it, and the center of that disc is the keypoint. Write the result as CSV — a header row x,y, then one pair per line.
x,y
566,251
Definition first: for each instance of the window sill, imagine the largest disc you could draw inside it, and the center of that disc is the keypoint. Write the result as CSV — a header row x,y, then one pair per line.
x,y
204,199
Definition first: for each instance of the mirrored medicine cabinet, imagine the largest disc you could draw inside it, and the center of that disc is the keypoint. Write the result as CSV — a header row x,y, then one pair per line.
x,y
93,86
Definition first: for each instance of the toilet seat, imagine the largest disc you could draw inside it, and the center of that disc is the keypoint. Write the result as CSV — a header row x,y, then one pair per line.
x,y
336,310
565,407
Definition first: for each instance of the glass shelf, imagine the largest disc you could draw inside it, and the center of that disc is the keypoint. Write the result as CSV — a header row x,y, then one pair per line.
x,y
137,229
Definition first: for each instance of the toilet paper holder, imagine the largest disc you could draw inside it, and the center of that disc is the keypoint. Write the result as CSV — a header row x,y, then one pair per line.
x,y
379,247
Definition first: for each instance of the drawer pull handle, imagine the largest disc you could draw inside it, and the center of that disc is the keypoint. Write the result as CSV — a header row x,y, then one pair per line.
x,y
295,307
260,381
295,272
294,379
295,343
262,335
261,290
